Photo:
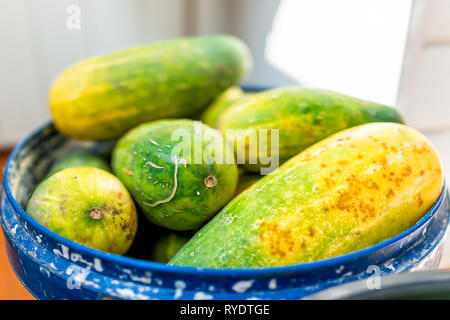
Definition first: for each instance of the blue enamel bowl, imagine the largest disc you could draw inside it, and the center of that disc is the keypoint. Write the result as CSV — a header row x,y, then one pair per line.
x,y
52,267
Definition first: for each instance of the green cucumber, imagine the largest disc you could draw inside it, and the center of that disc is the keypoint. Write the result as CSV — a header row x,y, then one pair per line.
x,y
345,193
174,190
302,116
167,246
86,205
103,97
212,114
80,159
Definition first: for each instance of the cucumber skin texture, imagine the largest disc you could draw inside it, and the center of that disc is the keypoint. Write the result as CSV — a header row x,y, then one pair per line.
x,y
61,203
133,162
80,159
167,246
303,116
103,97
347,192
212,114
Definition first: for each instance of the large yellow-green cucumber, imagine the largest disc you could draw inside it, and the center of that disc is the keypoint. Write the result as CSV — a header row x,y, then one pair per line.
x,y
347,192
303,116
102,97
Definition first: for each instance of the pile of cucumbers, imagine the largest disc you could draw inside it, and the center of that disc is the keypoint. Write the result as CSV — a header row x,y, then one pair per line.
x,y
350,173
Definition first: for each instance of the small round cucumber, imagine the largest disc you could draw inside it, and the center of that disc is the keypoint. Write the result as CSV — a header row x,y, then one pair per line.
x,y
164,165
86,205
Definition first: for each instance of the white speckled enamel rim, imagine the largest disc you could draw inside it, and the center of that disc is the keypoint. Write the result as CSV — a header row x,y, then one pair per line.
x,y
143,264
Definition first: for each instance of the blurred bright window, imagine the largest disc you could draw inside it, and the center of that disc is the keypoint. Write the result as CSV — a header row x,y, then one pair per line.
x,y
351,46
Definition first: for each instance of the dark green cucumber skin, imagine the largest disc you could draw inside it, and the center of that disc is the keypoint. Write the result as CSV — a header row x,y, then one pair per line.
x,y
167,246
303,116
194,203
80,159
103,97
245,181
